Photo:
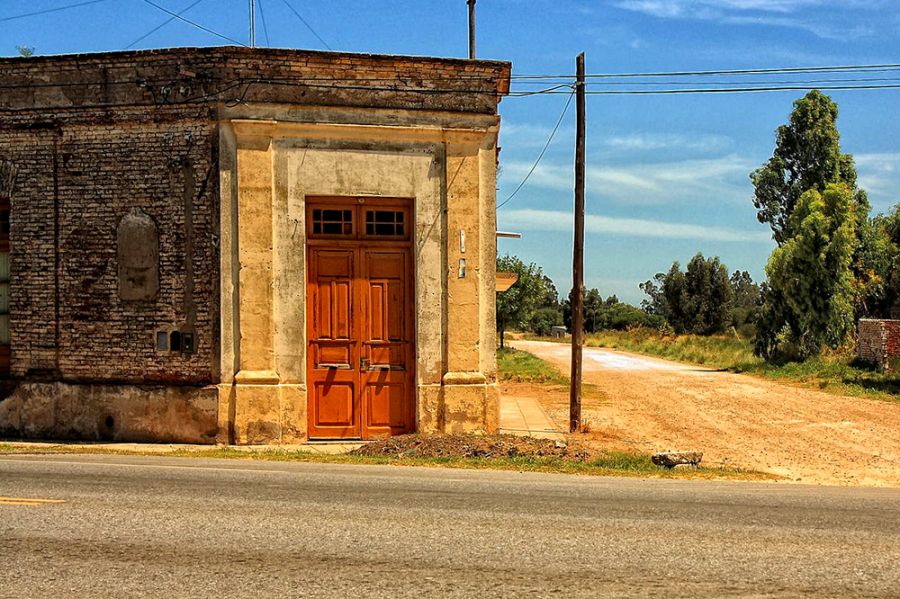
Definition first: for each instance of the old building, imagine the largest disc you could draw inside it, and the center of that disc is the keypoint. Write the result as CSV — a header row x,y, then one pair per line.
x,y
247,245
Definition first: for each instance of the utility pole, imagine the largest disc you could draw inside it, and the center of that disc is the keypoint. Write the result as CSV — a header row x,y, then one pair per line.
x,y
471,29
252,24
578,254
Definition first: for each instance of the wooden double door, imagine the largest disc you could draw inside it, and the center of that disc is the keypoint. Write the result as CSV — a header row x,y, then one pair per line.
x,y
360,318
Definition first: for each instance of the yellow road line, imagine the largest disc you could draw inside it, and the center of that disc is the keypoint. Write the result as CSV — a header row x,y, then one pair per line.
x,y
28,501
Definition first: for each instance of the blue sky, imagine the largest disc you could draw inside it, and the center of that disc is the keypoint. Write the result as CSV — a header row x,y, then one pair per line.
x,y
667,176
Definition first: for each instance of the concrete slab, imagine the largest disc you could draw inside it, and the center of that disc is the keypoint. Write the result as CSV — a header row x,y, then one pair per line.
x,y
524,416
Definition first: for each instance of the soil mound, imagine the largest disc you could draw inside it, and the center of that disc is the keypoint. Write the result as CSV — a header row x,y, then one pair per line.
x,y
472,446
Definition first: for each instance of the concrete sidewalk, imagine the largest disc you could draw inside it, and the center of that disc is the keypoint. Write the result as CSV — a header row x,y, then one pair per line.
x,y
524,416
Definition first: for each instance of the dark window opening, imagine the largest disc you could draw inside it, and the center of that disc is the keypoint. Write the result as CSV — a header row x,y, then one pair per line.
x,y
187,343
175,341
332,222
385,223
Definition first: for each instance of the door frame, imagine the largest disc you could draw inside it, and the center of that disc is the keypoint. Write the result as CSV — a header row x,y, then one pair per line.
x,y
357,242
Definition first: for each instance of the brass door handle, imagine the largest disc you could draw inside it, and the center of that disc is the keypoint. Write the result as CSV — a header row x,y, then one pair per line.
x,y
363,363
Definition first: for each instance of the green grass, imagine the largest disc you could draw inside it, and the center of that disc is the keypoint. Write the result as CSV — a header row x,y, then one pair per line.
x,y
522,367
834,372
609,463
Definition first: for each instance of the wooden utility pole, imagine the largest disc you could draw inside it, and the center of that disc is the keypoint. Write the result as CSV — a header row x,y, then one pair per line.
x,y
471,29
578,254
252,24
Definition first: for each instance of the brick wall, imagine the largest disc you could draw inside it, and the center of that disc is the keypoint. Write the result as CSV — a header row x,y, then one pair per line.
x,y
879,341
93,137
74,183
200,75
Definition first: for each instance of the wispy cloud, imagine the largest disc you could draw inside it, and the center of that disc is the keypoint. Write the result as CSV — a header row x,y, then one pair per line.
x,y
529,135
718,179
819,17
557,220
879,175
643,142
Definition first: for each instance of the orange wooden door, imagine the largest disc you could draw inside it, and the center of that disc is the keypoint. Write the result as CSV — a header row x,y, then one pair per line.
x,y
360,328
333,382
386,351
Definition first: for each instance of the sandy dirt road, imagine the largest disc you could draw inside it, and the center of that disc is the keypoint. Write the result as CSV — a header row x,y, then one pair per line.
x,y
648,404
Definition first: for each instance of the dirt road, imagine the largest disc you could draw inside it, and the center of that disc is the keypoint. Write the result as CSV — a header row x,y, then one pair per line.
x,y
648,404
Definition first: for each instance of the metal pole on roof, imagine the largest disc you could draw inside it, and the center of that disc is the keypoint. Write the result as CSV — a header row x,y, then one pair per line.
x,y
252,24
471,29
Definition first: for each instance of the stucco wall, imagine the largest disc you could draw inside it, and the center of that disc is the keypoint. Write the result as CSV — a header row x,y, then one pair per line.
x,y
450,174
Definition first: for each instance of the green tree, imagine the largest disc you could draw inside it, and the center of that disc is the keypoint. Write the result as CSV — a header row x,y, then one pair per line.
x,y
809,298
516,305
698,300
25,51
656,305
746,304
807,156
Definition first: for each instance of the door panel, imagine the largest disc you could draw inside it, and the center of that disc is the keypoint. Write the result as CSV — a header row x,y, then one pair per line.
x,y
333,379
360,325
386,342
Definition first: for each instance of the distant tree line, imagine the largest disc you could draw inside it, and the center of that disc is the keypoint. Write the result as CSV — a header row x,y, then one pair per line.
x,y
704,299
834,262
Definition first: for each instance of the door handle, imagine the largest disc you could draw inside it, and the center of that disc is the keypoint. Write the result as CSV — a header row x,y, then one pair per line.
x,y
363,363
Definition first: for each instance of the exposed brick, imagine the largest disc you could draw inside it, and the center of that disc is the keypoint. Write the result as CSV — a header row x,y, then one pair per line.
x,y
94,136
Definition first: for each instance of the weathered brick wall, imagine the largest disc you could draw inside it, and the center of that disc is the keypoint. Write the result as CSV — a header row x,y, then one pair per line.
x,y
879,341
74,183
165,77
93,137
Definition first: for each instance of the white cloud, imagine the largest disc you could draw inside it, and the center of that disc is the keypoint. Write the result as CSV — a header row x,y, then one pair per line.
x,y
710,179
647,141
824,21
557,220
528,135
879,175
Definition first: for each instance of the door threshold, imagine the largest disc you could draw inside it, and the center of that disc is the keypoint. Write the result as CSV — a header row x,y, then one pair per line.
x,y
335,441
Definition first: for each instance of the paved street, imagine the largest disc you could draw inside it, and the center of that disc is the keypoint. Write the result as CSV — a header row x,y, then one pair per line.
x,y
170,527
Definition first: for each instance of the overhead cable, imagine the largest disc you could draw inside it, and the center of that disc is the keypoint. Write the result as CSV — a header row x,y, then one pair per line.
x,y
262,16
161,25
193,24
308,26
864,67
541,155
50,10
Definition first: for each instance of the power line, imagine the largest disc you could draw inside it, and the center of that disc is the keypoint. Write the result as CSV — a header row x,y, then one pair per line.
x,y
50,10
262,16
193,24
308,26
867,67
541,155
161,25
732,90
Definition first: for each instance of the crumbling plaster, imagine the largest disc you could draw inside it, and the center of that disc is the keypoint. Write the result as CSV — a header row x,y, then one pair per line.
x,y
446,163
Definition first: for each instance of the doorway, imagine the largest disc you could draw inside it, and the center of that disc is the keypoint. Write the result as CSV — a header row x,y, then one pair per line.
x,y
360,318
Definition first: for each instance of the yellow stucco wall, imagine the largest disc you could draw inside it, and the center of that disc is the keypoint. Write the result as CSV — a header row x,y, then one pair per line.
x,y
272,159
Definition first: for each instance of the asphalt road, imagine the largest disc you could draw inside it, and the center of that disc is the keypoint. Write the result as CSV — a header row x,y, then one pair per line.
x,y
171,527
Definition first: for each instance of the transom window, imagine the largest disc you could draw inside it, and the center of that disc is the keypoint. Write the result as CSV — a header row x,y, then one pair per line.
x,y
332,222
358,218
384,223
